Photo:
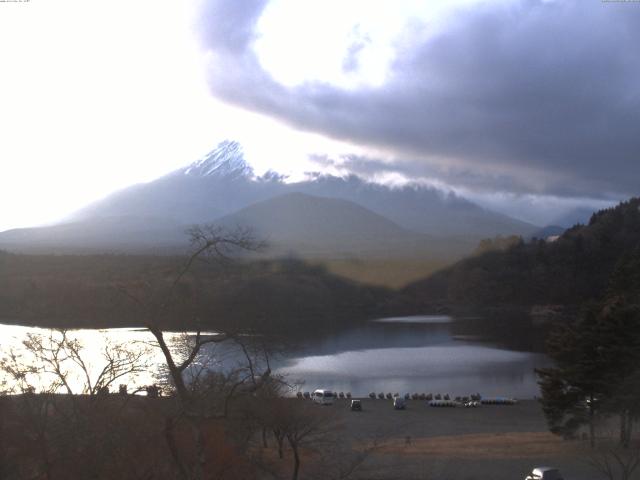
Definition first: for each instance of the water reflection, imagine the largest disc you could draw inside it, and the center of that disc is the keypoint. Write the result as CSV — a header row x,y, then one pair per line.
x,y
409,355
405,355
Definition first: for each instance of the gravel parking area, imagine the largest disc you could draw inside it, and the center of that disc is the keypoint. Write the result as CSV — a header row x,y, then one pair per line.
x,y
420,420
423,442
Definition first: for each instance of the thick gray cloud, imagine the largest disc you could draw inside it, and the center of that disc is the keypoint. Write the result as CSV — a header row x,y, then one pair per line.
x,y
533,97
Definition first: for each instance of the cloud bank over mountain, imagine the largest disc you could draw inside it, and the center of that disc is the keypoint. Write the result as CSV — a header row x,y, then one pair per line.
x,y
525,97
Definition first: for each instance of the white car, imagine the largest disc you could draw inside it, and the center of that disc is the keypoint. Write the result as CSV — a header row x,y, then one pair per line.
x,y
323,397
544,473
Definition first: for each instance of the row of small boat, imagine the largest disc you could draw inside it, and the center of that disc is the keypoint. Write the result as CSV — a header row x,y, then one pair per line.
x,y
436,400
428,397
307,395
473,403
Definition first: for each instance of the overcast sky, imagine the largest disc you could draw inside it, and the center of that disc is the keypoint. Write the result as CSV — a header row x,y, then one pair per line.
x,y
530,107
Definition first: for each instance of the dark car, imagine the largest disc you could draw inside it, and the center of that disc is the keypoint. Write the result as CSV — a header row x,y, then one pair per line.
x,y
356,406
399,403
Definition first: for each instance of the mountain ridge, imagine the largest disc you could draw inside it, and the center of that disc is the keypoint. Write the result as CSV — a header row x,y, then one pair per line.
x,y
222,182
430,224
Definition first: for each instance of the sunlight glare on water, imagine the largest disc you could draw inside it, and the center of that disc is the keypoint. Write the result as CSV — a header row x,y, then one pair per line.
x,y
92,353
399,354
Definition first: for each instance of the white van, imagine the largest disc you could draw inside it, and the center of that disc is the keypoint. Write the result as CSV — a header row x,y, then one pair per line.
x,y
323,397
544,473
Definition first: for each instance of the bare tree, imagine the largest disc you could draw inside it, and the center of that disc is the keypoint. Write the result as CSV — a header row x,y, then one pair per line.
x,y
75,433
209,243
60,356
614,461
185,357
302,425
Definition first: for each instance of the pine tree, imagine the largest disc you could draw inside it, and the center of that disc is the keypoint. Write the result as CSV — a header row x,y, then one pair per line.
x,y
597,360
573,388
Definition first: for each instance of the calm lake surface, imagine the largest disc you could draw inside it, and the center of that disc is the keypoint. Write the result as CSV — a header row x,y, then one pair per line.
x,y
404,355
412,354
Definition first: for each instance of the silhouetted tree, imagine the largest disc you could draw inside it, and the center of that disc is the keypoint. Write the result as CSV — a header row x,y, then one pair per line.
x,y
572,388
77,435
213,244
597,360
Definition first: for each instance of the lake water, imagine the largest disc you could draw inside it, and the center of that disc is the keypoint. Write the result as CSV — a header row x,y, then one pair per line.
x,y
405,355
412,355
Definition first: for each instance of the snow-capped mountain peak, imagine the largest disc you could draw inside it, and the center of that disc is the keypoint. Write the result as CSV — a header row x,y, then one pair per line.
x,y
226,160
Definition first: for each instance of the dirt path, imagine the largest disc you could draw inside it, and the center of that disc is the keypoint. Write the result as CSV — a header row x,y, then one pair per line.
x,y
485,446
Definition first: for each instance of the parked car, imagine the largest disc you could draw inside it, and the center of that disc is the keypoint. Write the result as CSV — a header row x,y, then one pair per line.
x,y
323,397
356,406
544,473
399,403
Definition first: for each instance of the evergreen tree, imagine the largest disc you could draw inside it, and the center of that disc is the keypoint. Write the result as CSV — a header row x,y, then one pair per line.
x,y
573,388
620,320
597,359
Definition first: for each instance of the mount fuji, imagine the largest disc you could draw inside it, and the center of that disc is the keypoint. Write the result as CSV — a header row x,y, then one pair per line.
x,y
348,215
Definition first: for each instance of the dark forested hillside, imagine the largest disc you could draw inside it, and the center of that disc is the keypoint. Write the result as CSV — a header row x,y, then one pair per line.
x,y
570,270
98,291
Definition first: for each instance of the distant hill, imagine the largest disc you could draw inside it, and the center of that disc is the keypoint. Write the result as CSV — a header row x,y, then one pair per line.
x,y
324,226
291,224
127,233
86,291
573,269
418,208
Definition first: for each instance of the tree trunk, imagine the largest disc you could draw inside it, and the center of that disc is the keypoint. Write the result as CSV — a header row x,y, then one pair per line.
x,y
628,429
174,371
623,428
173,449
296,459
280,441
199,440
592,428
264,437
